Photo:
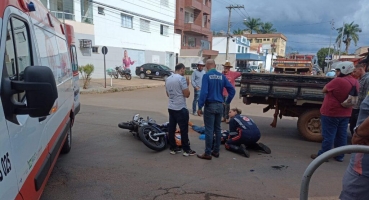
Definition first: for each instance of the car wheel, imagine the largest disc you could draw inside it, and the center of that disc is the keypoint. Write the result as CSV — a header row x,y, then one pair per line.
x,y
142,76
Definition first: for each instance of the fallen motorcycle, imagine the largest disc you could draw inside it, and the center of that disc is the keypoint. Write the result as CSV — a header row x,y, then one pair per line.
x,y
153,135
122,72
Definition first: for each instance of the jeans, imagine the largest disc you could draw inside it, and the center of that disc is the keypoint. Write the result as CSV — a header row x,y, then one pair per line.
x,y
212,119
199,129
353,120
334,131
226,108
195,100
180,117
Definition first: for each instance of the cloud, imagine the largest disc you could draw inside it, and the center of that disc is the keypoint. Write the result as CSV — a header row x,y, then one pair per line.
x,y
305,23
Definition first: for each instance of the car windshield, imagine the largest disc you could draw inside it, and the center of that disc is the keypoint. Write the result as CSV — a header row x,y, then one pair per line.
x,y
165,68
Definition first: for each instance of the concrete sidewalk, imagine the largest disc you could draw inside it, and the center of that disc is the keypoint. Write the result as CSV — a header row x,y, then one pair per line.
x,y
119,85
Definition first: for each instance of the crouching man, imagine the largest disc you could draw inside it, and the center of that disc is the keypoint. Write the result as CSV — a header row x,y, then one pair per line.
x,y
243,134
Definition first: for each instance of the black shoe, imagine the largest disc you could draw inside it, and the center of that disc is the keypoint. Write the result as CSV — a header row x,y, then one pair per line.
x,y
264,148
175,151
204,156
243,151
189,153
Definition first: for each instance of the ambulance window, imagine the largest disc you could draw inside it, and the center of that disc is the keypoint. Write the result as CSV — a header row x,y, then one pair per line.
x,y
17,51
21,45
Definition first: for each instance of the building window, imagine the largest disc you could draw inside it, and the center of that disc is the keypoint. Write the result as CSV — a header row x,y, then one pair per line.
x,y
164,30
268,39
95,49
191,41
204,19
188,17
275,40
164,3
184,40
251,40
86,11
181,9
258,40
264,39
243,49
144,25
100,10
239,49
62,9
127,21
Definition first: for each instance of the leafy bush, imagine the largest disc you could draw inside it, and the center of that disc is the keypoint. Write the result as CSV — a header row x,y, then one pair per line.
x,y
188,72
86,72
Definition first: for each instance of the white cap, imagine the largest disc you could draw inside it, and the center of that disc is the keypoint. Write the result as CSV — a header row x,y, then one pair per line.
x,y
201,62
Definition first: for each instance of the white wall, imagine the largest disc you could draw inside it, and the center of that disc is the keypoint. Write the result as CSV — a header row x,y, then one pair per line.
x,y
109,31
220,44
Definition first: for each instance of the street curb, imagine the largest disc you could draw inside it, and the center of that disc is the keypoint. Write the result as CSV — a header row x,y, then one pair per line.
x,y
102,90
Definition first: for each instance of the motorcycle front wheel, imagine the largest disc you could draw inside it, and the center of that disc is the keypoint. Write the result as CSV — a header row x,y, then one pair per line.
x,y
128,76
116,76
156,143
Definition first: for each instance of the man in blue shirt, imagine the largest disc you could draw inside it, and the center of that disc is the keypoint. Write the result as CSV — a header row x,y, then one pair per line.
x,y
196,80
211,97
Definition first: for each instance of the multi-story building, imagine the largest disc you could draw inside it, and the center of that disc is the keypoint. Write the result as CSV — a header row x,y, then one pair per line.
x,y
141,30
359,52
192,22
277,39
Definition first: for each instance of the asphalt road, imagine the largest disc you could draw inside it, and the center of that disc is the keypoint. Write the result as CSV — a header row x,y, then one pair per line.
x,y
109,163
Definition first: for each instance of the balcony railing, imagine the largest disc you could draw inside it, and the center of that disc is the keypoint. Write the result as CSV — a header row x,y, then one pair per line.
x,y
193,4
63,15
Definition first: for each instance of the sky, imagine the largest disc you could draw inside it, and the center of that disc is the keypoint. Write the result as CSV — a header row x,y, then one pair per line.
x,y
306,23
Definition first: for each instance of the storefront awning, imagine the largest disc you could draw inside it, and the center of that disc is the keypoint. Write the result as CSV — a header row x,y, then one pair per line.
x,y
249,57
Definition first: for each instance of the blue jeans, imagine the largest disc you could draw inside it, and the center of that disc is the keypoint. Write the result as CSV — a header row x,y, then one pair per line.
x,y
334,131
195,100
199,129
212,119
226,108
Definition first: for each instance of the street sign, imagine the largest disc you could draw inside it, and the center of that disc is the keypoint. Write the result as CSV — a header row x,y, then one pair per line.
x,y
104,50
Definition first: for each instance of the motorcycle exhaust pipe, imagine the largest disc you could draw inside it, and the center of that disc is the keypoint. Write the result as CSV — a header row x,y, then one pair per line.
x,y
159,134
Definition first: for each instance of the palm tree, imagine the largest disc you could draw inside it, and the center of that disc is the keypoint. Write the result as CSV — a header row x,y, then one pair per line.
x,y
238,32
350,33
252,24
266,28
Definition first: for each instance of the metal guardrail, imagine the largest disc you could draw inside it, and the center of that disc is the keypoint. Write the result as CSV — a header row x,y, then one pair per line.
x,y
304,190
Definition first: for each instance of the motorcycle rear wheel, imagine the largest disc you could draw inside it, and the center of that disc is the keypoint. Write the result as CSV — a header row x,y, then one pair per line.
x,y
128,76
158,143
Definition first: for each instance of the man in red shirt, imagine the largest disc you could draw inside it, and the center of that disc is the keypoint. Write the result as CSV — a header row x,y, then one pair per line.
x,y
335,117
231,76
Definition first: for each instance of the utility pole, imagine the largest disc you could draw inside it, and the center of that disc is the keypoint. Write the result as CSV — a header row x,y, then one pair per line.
x,y
343,30
229,25
330,37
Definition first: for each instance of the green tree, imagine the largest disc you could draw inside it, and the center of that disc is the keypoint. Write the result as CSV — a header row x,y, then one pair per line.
x,y
215,33
238,32
86,72
252,24
266,28
350,33
322,53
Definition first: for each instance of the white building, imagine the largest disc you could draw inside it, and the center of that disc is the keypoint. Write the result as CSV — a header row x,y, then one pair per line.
x,y
239,53
144,29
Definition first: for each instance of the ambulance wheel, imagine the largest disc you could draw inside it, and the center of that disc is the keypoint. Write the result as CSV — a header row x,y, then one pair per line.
x,y
142,76
309,125
68,141
156,143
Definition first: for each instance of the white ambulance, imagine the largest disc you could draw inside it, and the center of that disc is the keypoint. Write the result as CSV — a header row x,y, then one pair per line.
x,y
37,100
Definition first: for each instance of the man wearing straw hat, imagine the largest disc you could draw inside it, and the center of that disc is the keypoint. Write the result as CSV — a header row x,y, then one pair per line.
x,y
231,76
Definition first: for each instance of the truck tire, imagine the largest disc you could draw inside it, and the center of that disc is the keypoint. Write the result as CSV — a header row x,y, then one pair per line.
x,y
309,125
